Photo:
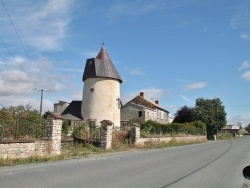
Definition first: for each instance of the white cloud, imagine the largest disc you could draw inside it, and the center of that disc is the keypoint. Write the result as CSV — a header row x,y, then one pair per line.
x,y
244,65
197,85
153,93
246,75
16,85
41,25
241,19
245,36
149,93
234,120
136,71
186,99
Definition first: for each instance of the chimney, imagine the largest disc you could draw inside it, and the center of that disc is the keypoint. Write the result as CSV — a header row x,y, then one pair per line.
x,y
156,102
142,94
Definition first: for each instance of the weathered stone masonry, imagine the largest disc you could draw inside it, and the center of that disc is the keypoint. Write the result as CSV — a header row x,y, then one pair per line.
x,y
50,146
136,139
106,134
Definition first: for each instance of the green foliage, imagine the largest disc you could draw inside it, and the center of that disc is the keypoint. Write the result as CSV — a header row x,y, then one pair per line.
x,y
65,126
248,128
183,115
212,113
200,125
224,136
21,122
81,131
151,127
46,114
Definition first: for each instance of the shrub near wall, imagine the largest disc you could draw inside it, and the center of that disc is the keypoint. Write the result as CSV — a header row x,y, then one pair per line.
x,y
193,128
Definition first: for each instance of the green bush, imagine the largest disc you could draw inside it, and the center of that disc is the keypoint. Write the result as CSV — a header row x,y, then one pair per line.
x,y
65,127
81,131
152,127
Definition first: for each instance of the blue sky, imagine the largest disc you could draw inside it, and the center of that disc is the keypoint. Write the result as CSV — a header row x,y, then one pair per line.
x,y
174,51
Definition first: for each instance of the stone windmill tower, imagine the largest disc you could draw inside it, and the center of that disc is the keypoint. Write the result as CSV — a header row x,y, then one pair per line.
x,y
101,92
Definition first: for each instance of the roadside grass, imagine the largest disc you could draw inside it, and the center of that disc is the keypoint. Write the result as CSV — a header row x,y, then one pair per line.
x,y
228,136
73,151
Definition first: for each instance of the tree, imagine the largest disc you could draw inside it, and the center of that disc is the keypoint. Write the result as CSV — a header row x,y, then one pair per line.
x,y
19,112
247,128
212,113
46,114
183,115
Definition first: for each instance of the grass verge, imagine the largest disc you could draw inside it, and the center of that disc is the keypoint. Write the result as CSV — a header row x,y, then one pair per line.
x,y
71,151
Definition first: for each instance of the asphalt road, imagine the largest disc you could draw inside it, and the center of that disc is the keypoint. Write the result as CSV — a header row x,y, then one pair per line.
x,y
213,164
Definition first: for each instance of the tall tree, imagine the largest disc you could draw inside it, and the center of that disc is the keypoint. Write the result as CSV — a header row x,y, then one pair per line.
x,y
183,115
212,113
247,128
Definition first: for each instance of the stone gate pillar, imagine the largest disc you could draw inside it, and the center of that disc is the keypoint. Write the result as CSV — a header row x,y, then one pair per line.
x,y
135,133
106,134
53,132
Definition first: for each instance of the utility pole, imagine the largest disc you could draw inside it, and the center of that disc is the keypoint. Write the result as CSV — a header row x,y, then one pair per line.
x,y
41,101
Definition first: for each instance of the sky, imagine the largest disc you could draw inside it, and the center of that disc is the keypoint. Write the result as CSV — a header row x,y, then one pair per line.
x,y
173,51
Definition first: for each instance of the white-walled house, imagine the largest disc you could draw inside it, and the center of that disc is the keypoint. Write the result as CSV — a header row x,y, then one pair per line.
x,y
144,109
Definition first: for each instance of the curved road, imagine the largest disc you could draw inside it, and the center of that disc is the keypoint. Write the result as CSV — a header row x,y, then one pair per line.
x,y
213,164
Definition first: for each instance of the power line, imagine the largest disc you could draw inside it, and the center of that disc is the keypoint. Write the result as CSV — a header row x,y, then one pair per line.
x,y
16,31
11,54
6,65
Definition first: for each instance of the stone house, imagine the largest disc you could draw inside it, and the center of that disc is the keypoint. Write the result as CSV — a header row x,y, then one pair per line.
x,y
142,109
60,106
233,129
73,112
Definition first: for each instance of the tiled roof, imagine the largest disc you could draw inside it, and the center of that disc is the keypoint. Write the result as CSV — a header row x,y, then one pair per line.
x,y
146,103
107,122
101,66
227,127
73,111
231,127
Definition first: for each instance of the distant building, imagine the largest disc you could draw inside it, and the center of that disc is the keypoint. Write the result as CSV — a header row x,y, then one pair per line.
x,y
143,109
73,112
170,119
233,129
60,107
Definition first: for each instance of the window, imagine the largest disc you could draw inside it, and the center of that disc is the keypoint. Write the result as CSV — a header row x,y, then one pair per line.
x,y
140,113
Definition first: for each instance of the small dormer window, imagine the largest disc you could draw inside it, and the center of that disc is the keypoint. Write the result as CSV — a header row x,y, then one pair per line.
x,y
91,89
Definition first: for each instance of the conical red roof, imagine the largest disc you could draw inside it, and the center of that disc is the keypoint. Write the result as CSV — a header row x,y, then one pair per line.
x,y
101,66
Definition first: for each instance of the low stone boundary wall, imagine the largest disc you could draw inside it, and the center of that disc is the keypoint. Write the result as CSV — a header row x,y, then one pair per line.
x,y
50,146
136,139
23,150
142,141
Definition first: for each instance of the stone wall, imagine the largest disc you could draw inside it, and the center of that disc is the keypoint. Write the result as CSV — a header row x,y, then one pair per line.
x,y
131,111
50,146
106,135
136,139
